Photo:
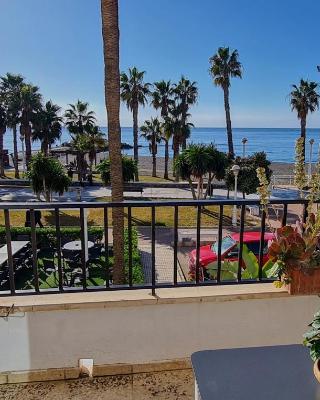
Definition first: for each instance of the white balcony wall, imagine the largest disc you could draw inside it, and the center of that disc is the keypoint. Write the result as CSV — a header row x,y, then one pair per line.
x,y
143,333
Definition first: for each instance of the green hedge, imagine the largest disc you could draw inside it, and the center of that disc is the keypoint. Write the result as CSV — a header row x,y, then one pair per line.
x,y
48,234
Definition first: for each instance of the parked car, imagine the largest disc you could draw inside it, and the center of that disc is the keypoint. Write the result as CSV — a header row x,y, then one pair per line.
x,y
229,250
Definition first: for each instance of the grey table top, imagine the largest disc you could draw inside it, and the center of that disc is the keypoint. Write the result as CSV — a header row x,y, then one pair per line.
x,y
257,373
16,245
76,245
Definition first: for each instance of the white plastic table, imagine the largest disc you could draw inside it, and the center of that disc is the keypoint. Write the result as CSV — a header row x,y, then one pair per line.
x,y
257,373
76,245
16,245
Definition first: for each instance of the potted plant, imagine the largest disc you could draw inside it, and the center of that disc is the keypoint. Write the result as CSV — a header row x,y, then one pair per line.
x,y
296,258
312,341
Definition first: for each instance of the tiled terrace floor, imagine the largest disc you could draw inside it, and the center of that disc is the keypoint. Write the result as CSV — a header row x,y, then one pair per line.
x,y
171,385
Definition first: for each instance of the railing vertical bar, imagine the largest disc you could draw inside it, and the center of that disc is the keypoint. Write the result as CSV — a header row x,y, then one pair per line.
x,y
106,244
285,214
58,234
240,261
261,247
153,249
305,213
130,244
220,242
34,251
83,251
175,246
9,251
198,244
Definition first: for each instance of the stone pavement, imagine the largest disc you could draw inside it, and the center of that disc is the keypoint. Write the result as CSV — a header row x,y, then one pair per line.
x,y
164,256
167,385
94,192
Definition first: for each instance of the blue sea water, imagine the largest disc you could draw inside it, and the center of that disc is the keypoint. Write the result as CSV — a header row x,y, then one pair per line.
x,y
278,143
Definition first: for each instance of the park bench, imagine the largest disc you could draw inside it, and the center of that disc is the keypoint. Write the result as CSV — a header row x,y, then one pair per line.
x,y
133,189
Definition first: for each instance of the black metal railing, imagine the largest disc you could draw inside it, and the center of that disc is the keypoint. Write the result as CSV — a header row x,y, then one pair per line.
x,y
10,266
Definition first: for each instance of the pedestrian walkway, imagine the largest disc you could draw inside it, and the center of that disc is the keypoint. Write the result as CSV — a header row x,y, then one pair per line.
x,y
164,259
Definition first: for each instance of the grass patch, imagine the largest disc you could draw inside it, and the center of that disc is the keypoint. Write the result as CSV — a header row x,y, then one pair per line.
x,y
140,217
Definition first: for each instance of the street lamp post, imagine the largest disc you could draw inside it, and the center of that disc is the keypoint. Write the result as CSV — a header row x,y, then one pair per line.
x,y
311,141
244,141
235,169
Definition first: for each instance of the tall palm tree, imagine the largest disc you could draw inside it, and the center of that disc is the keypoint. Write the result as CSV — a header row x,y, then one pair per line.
x,y
162,99
30,102
47,126
151,131
11,86
175,128
3,126
134,92
225,65
186,94
110,33
304,99
97,143
79,121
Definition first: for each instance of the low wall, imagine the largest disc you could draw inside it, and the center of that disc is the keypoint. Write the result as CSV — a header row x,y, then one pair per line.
x,y
55,331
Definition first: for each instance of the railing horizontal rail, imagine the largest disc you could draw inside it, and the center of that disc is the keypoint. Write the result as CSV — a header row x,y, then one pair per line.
x,y
143,203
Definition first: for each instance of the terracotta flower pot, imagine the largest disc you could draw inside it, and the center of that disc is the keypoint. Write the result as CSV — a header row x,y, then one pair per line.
x,y
304,281
316,370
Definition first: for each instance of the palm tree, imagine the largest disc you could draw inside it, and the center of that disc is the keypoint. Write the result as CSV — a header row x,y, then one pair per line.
x,y
134,91
177,130
225,65
110,34
11,86
151,131
304,99
162,99
97,143
30,104
79,121
3,126
186,94
47,126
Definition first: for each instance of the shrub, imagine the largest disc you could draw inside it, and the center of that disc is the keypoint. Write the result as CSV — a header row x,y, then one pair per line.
x,y
129,170
247,179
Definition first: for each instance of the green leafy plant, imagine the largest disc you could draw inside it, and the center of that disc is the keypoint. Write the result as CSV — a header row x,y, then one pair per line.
x,y
292,249
250,269
129,170
312,337
47,175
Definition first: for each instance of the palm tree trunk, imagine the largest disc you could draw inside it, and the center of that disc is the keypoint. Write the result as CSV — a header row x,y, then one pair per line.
x,y
154,158
15,152
135,139
27,136
175,153
303,124
192,189
228,121
2,132
110,33
166,158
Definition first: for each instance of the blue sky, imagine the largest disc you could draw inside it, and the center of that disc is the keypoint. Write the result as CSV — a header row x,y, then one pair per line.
x,y
57,45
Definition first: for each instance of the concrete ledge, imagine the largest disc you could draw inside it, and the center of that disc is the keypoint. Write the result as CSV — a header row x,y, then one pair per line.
x,y
57,374
127,298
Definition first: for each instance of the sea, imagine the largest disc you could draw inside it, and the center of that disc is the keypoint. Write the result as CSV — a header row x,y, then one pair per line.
x,y
278,143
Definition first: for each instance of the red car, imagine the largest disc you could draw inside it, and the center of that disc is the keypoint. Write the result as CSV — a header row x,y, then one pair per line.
x,y
229,250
